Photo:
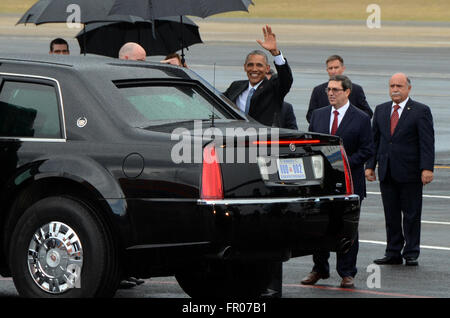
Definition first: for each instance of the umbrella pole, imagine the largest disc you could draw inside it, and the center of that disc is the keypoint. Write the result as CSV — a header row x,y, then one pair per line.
x,y
84,38
182,46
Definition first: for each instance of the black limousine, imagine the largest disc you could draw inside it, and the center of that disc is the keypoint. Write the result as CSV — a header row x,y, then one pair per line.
x,y
111,169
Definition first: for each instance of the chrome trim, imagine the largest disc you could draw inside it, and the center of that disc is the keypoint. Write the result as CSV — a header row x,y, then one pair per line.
x,y
64,139
33,139
276,200
55,258
144,246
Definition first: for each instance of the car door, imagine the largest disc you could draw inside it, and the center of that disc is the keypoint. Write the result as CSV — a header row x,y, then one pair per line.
x,y
30,117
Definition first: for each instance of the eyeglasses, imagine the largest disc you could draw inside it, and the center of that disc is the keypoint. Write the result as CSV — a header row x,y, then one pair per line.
x,y
333,89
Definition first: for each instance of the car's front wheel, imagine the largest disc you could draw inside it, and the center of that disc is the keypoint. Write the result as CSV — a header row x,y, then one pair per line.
x,y
60,248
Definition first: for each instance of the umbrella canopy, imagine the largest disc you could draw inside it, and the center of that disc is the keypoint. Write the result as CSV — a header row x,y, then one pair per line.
x,y
152,9
62,11
90,11
107,38
58,11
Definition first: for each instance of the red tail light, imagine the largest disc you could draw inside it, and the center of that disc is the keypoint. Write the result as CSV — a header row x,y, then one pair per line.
x,y
212,188
348,173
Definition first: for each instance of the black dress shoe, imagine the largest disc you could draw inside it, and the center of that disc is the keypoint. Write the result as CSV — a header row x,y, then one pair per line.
x,y
389,260
411,261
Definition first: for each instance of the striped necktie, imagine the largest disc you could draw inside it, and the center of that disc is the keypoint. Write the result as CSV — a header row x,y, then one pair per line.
x,y
394,119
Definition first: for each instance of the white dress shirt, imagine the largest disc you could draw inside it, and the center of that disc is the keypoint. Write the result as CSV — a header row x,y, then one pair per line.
x,y
342,110
402,106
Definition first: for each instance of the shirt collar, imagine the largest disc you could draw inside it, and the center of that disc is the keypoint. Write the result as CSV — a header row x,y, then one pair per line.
x,y
255,87
402,104
342,110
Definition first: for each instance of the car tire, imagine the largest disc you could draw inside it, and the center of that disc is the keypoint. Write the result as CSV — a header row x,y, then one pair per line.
x,y
60,248
224,279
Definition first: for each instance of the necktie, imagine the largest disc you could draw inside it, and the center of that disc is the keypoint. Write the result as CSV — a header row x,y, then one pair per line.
x,y
334,127
249,97
394,119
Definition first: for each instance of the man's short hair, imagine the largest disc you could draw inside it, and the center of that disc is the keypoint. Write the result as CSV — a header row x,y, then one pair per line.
x,y
257,52
345,81
334,58
58,41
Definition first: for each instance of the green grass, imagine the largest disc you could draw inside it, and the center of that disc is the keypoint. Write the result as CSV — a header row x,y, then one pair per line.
x,y
391,10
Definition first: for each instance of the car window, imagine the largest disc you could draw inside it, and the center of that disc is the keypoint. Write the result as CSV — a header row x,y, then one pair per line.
x,y
29,110
178,103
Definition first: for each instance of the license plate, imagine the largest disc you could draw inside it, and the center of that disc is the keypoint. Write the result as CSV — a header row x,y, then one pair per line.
x,y
291,169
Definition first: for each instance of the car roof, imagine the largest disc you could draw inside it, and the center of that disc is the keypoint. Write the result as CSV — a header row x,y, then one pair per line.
x,y
113,68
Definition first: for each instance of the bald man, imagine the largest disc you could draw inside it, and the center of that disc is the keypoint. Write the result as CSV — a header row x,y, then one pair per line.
x,y
404,150
132,51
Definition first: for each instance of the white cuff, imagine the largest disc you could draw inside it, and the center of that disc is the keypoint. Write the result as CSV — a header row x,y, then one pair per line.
x,y
279,59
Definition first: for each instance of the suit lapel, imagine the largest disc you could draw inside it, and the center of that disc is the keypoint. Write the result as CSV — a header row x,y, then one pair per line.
x,y
257,93
242,87
403,117
324,121
260,89
386,119
346,121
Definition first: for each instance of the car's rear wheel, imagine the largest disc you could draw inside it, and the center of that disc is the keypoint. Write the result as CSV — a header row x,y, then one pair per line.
x,y
223,279
60,248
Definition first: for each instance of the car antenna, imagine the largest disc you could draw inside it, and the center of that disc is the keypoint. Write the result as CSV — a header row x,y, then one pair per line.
x,y
214,86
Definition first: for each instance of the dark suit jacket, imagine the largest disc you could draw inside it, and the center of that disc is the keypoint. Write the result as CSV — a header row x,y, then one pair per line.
x,y
287,117
356,136
411,149
266,102
320,99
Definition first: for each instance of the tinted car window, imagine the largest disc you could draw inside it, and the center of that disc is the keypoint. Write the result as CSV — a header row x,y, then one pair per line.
x,y
162,103
29,110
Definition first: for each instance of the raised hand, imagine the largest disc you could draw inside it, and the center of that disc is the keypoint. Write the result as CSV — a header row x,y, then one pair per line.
x,y
270,41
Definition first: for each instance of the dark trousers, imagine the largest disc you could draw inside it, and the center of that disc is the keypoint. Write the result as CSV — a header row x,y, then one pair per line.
x,y
276,280
345,263
402,204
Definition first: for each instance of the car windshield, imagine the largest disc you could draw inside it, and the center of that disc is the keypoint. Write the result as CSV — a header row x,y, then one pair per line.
x,y
152,104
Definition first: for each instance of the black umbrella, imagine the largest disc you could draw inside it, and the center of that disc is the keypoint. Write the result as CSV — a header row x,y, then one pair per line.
x,y
153,9
63,11
48,11
60,11
107,38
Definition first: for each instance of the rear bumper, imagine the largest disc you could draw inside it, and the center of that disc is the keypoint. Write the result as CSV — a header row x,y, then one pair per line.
x,y
299,225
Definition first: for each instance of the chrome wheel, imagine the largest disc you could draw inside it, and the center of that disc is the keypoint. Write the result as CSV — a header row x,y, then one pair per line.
x,y
55,258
